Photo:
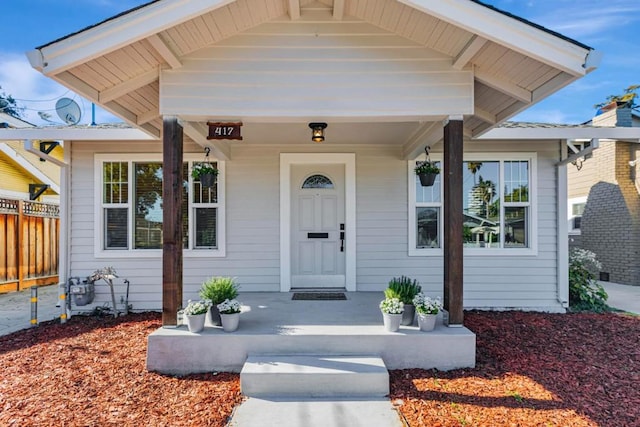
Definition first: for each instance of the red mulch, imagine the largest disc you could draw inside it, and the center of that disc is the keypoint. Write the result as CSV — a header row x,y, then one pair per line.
x,y
91,372
532,370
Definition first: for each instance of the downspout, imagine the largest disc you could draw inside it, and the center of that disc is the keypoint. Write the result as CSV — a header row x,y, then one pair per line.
x,y
65,221
64,260
563,229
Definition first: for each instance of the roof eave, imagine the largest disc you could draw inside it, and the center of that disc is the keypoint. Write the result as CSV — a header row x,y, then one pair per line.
x,y
75,134
530,40
536,133
112,34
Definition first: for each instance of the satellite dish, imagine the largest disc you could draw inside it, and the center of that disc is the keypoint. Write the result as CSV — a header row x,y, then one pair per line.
x,y
68,110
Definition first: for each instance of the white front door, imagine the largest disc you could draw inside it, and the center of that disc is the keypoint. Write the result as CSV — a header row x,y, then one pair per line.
x,y
318,226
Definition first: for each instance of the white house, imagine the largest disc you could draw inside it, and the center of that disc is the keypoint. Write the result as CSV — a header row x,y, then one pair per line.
x,y
388,78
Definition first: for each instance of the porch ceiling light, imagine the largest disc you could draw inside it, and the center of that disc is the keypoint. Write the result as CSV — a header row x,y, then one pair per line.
x,y
317,131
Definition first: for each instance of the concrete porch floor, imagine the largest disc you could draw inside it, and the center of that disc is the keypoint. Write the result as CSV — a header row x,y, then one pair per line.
x,y
274,324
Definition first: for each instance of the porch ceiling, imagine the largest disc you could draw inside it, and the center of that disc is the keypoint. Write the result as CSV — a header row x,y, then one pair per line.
x,y
117,63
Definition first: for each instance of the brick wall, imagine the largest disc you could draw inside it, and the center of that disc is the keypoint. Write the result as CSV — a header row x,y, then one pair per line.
x,y
611,220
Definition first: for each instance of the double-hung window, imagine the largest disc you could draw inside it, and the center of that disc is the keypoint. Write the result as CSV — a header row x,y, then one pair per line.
x,y
498,210
129,215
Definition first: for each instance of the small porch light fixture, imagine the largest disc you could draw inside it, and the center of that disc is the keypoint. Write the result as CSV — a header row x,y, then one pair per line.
x,y
317,131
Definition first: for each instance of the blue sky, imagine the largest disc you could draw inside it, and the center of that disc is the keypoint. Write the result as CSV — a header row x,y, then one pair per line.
x,y
611,26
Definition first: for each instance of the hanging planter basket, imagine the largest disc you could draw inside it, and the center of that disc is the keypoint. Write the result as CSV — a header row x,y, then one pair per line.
x,y
427,170
427,179
208,179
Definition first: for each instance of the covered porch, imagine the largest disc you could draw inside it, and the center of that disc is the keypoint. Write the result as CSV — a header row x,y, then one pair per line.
x,y
273,324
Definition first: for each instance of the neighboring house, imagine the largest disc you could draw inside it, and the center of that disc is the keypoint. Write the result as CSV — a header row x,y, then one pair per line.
x,y
29,228
604,201
24,175
389,78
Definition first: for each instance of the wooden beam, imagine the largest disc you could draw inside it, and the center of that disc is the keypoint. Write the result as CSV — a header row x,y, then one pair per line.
x,y
503,86
294,9
165,51
147,116
172,149
199,131
128,86
81,88
427,134
453,223
485,116
468,52
338,10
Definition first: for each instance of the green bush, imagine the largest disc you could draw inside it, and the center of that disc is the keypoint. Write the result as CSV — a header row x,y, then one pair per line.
x,y
585,293
402,288
219,289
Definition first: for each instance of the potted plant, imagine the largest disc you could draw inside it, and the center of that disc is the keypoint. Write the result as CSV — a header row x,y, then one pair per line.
x,y
205,172
229,314
196,312
217,290
404,289
427,309
427,171
392,309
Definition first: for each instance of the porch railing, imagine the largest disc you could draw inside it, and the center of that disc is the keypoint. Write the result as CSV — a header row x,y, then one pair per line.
x,y
29,244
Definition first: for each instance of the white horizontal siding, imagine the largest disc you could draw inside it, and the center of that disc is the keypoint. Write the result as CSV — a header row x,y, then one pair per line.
x,y
326,69
253,246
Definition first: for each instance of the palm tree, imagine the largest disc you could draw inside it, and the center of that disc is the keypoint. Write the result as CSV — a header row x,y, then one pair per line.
x,y
486,191
474,168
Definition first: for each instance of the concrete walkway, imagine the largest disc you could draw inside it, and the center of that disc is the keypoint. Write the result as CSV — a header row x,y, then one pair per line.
x,y
15,308
623,297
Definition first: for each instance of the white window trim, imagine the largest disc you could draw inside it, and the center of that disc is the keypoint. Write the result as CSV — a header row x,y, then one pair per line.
x,y
532,250
413,204
100,252
570,202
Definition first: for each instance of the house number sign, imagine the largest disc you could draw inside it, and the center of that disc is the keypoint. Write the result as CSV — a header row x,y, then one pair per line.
x,y
220,130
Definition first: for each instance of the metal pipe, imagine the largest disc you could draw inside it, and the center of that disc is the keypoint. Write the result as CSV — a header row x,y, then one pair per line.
x,y
34,306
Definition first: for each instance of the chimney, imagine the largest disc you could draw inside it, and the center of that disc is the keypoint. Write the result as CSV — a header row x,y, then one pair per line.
x,y
614,115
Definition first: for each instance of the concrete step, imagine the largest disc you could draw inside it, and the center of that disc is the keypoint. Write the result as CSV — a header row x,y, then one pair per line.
x,y
305,376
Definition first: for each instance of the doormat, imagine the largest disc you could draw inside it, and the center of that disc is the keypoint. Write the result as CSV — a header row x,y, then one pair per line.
x,y
319,296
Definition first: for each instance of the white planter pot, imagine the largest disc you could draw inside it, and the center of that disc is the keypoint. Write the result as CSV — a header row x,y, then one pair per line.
x,y
195,322
427,322
391,321
230,321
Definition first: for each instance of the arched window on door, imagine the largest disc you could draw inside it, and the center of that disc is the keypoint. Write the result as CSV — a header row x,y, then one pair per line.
x,y
318,181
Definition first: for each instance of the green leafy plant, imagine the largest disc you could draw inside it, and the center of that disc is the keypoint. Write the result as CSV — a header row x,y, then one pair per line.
x,y
426,167
219,289
391,306
403,288
200,169
585,293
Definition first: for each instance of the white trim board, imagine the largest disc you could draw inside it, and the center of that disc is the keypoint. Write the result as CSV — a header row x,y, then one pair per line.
x,y
349,162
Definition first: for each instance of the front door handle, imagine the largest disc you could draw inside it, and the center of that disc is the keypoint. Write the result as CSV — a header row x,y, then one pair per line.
x,y
342,238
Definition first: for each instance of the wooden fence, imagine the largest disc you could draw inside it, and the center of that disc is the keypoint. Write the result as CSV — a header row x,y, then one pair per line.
x,y
29,244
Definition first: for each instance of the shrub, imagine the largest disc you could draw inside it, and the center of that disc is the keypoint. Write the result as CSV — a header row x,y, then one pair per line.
x,y
402,288
219,289
585,293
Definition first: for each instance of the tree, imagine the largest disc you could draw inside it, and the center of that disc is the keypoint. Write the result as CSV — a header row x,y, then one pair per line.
x,y
627,99
474,168
487,191
9,105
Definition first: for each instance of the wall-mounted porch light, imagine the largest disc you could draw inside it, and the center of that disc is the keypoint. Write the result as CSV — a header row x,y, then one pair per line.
x,y
317,131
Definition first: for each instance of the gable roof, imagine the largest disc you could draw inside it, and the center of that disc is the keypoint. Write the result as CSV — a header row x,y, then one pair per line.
x,y
117,63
